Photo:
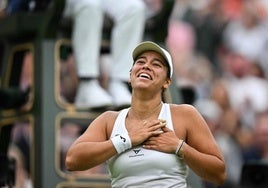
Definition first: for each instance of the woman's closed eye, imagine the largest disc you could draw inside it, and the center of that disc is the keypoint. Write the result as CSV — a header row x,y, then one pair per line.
x,y
157,64
140,62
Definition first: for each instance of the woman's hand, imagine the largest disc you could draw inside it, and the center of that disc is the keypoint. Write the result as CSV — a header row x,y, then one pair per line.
x,y
143,131
165,142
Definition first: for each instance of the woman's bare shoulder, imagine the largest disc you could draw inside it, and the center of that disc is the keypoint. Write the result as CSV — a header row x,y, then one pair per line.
x,y
109,118
183,108
184,113
110,114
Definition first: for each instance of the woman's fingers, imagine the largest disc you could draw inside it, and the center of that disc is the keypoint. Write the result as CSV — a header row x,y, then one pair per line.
x,y
154,125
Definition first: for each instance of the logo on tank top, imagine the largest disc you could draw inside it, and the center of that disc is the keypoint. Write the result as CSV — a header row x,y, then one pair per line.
x,y
137,152
122,138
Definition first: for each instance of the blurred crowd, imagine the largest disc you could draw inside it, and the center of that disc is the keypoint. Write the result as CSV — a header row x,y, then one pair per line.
x,y
219,49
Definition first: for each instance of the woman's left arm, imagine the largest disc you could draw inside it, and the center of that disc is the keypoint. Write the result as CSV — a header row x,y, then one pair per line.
x,y
200,150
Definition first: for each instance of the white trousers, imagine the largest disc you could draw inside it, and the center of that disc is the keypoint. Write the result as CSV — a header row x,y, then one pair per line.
x,y
129,18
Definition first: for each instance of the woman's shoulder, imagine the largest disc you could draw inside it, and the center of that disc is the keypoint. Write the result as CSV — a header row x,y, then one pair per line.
x,y
185,118
109,115
105,121
184,111
187,108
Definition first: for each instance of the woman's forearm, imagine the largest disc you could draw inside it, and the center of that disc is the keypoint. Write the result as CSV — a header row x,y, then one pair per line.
x,y
85,155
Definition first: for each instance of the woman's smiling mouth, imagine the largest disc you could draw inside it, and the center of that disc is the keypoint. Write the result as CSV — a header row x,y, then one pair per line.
x,y
145,75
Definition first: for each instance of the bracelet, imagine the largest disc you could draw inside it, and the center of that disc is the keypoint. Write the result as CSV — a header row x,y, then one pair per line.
x,y
121,143
179,146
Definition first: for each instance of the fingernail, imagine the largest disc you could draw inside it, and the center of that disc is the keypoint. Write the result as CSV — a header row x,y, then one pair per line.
x,y
163,123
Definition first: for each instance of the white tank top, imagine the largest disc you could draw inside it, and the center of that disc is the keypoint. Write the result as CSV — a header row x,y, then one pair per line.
x,y
139,167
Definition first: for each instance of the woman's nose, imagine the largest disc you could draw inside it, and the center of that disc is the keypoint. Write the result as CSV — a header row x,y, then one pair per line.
x,y
146,66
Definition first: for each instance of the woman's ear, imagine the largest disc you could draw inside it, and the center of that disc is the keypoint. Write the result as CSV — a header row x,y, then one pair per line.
x,y
129,80
167,83
130,71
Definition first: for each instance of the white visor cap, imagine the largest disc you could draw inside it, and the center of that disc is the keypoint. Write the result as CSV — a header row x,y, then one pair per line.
x,y
151,46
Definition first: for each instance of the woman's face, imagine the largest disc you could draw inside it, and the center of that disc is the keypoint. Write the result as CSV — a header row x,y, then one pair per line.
x,y
149,70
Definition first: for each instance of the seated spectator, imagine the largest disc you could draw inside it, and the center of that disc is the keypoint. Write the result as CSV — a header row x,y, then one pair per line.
x,y
88,16
247,35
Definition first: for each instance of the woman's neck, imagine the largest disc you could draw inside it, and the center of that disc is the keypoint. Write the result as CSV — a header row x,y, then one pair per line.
x,y
143,110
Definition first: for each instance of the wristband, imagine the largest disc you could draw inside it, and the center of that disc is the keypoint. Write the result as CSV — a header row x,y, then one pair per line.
x,y
179,146
121,143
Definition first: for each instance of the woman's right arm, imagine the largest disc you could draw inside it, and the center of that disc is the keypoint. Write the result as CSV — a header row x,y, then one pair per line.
x,y
93,147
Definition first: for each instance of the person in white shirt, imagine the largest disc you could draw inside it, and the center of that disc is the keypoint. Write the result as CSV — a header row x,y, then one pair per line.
x,y
88,16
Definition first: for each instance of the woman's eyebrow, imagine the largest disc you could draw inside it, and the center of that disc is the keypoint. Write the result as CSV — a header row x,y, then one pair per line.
x,y
141,57
154,59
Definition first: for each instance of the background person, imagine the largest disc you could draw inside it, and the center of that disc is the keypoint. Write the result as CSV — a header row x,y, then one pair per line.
x,y
128,28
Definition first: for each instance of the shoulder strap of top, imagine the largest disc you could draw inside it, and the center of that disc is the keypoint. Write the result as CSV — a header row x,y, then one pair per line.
x,y
119,125
165,114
